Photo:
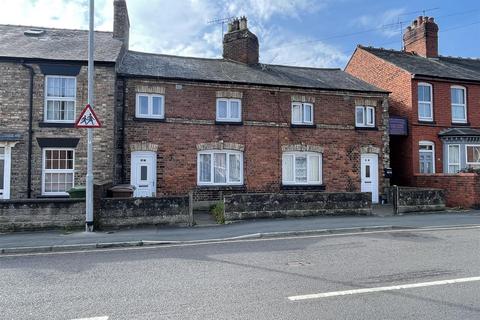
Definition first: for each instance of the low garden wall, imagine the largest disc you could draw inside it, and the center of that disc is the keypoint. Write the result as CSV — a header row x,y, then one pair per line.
x,y
36,214
461,190
132,212
273,205
410,199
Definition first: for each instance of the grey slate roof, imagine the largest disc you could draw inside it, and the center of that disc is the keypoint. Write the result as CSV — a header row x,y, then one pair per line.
x,y
220,70
56,44
441,67
459,132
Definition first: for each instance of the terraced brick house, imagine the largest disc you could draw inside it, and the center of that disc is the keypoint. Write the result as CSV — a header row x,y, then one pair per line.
x,y
439,98
43,76
219,126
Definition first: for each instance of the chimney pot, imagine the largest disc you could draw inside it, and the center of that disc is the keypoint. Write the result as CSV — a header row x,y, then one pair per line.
x,y
422,37
239,44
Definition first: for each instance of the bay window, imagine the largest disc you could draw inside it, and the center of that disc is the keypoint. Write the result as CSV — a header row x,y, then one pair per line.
x,y
220,167
472,155
301,168
453,158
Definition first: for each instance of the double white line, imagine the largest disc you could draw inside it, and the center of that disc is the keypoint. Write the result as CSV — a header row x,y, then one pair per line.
x,y
381,289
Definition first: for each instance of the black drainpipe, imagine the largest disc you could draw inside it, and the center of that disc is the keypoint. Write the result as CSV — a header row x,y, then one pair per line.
x,y
30,132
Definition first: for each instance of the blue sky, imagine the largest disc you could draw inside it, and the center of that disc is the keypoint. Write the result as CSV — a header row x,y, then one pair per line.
x,y
321,33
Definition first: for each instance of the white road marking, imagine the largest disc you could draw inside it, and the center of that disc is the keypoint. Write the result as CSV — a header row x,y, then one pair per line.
x,y
94,318
379,289
220,241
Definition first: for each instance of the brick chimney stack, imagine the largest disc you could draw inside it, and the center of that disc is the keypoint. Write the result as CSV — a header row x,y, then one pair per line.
x,y
239,44
121,22
422,37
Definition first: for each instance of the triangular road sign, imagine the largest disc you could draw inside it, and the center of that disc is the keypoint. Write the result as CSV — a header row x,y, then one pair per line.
x,y
88,119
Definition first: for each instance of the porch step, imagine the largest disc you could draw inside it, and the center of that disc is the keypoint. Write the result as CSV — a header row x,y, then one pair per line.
x,y
203,217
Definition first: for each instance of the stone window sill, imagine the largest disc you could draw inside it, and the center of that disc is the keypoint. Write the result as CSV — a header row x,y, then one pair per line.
x,y
234,123
366,128
149,119
296,125
460,124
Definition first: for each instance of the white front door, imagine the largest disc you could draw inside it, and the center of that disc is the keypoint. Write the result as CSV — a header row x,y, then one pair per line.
x,y
369,175
5,166
143,174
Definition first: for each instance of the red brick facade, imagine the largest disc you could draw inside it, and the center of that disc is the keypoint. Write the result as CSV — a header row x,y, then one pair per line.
x,y
403,102
190,113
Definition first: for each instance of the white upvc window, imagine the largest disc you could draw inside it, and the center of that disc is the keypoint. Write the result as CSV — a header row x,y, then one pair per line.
x,y
453,158
301,168
458,96
302,113
364,116
229,110
472,152
150,106
425,102
427,157
60,99
58,171
220,167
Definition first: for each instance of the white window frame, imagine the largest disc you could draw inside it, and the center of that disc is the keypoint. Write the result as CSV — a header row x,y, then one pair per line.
x,y
364,123
44,171
302,106
464,105
429,144
150,114
5,192
227,168
229,117
430,103
307,155
454,163
72,99
466,154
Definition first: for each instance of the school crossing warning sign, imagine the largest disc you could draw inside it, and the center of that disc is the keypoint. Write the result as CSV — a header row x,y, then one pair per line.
x,y
88,119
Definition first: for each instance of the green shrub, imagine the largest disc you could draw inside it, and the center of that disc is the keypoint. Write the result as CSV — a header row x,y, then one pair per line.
x,y
218,211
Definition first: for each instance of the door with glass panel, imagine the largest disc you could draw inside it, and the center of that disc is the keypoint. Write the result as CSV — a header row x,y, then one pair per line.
x,y
369,175
426,157
143,174
2,172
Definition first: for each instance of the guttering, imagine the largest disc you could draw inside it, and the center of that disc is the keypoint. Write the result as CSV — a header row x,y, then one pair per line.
x,y
30,131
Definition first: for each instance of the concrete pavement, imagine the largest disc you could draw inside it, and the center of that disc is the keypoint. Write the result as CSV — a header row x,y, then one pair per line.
x,y
57,240
253,279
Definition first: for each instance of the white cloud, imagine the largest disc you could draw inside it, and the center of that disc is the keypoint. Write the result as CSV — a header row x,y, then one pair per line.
x,y
387,23
180,26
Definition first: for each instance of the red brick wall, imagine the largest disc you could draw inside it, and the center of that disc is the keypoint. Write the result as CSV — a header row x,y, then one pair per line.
x,y
178,137
376,71
461,190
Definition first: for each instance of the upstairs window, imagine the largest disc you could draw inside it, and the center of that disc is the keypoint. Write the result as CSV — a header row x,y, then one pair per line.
x,y
60,96
229,110
301,168
459,105
220,167
364,116
425,104
302,113
150,106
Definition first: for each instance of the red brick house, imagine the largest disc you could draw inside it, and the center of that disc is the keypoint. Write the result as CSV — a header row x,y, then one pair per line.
x,y
227,125
438,96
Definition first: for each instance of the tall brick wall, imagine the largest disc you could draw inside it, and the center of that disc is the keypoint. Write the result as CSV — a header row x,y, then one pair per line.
x,y
14,108
266,114
461,190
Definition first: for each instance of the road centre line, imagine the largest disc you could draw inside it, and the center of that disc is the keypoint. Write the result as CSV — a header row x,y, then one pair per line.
x,y
220,241
381,289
